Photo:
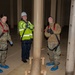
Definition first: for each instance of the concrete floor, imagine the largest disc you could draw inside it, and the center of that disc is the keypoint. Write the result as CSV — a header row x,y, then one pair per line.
x,y
17,67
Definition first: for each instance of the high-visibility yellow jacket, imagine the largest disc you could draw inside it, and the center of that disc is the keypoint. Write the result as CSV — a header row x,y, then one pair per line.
x,y
28,27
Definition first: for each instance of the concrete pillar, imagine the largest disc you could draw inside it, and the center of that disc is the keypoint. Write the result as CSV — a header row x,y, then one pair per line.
x,y
19,9
59,12
53,9
11,14
74,60
71,42
38,23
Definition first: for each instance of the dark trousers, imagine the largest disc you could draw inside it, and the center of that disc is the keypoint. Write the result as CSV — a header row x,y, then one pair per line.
x,y
26,46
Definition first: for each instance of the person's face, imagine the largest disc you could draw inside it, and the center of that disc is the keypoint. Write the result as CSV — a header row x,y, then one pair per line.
x,y
50,20
24,18
4,19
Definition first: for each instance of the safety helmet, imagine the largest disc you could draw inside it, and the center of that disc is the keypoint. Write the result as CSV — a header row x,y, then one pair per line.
x,y
23,14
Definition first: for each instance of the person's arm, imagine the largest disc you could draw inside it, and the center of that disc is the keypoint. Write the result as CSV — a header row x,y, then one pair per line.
x,y
31,26
47,34
57,29
21,27
9,37
1,31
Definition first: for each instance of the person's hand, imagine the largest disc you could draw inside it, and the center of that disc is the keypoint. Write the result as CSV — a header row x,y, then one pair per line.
x,y
50,31
26,26
11,43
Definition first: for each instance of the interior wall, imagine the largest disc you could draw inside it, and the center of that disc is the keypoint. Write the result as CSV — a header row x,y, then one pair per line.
x,y
27,7
64,12
46,11
5,8
15,11
67,11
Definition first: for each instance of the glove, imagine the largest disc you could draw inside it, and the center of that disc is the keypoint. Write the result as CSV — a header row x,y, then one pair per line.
x,y
27,26
50,31
11,43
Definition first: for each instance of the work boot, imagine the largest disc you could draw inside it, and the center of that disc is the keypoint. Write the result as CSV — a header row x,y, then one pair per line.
x,y
25,61
50,63
54,68
1,71
4,66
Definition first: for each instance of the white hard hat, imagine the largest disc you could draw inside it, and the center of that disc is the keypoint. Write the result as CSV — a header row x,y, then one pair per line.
x,y
23,14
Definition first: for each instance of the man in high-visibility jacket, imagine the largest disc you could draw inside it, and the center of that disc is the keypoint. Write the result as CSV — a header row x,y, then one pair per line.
x,y
26,33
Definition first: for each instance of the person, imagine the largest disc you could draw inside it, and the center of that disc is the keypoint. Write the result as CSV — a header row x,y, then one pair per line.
x,y
26,34
52,32
4,38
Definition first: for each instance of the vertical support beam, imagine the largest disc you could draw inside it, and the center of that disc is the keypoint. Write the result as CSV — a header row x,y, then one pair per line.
x,y
11,13
59,12
71,42
74,60
38,23
53,9
19,9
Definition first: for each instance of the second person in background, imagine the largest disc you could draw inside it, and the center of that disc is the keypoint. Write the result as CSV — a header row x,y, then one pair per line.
x,y
26,34
4,37
52,32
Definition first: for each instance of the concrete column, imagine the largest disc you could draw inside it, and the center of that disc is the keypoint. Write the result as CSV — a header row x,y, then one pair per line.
x,y
19,9
11,14
74,60
59,12
53,9
71,42
38,23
